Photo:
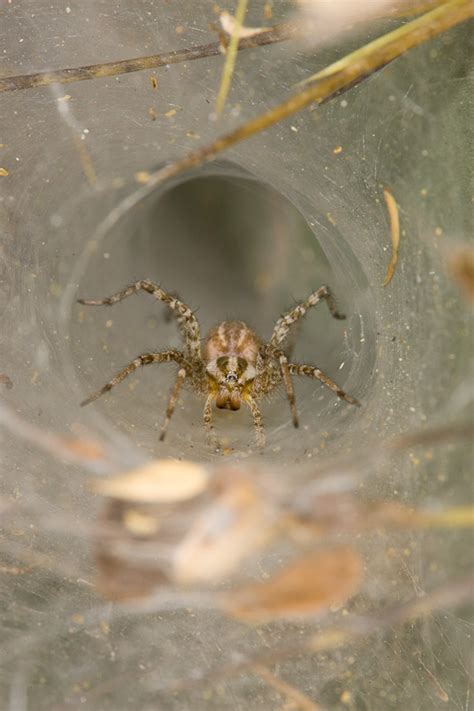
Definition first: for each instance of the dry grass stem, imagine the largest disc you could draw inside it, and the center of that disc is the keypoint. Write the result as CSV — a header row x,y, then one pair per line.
x,y
230,57
278,33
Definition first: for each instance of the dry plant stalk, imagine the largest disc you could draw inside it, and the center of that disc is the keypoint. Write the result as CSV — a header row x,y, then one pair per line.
x,y
277,33
231,54
392,208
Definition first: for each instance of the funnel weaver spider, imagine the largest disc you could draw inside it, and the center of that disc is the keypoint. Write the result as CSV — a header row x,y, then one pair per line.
x,y
234,366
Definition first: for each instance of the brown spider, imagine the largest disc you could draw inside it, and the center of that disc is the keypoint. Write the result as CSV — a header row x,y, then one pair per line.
x,y
236,366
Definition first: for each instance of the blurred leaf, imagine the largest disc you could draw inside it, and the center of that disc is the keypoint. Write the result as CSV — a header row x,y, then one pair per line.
x,y
307,587
232,527
162,480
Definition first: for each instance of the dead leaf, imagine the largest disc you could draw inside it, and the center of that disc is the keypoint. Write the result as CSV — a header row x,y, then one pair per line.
x,y
231,528
230,26
119,579
86,448
307,587
159,481
461,266
123,573
392,208
5,380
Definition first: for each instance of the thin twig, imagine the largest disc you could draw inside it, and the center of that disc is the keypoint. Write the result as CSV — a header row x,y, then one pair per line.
x,y
278,33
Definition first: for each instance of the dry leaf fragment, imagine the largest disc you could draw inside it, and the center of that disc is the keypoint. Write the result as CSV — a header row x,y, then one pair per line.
x,y
86,448
392,208
159,481
120,579
461,266
5,380
307,587
3,172
230,26
234,526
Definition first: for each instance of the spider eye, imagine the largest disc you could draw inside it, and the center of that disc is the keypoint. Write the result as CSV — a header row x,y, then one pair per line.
x,y
222,362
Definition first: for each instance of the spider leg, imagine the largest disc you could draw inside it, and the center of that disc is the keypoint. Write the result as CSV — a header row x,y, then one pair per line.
x,y
186,319
290,392
312,372
257,420
207,418
285,322
144,359
180,378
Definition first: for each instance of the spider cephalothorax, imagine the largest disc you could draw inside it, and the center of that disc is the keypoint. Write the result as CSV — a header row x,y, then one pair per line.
x,y
235,367
230,354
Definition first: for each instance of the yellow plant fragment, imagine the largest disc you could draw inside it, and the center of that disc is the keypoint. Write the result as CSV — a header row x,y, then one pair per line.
x,y
231,55
307,587
456,517
159,481
392,208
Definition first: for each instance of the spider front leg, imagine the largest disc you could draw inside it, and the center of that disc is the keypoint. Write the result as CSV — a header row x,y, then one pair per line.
x,y
144,359
285,322
290,392
186,319
312,372
207,419
180,378
269,376
257,420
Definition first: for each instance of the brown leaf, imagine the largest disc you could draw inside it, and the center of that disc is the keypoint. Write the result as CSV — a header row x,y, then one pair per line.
x,y
86,448
122,579
307,587
230,529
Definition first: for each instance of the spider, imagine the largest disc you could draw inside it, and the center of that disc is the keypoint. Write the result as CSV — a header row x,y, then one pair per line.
x,y
233,367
